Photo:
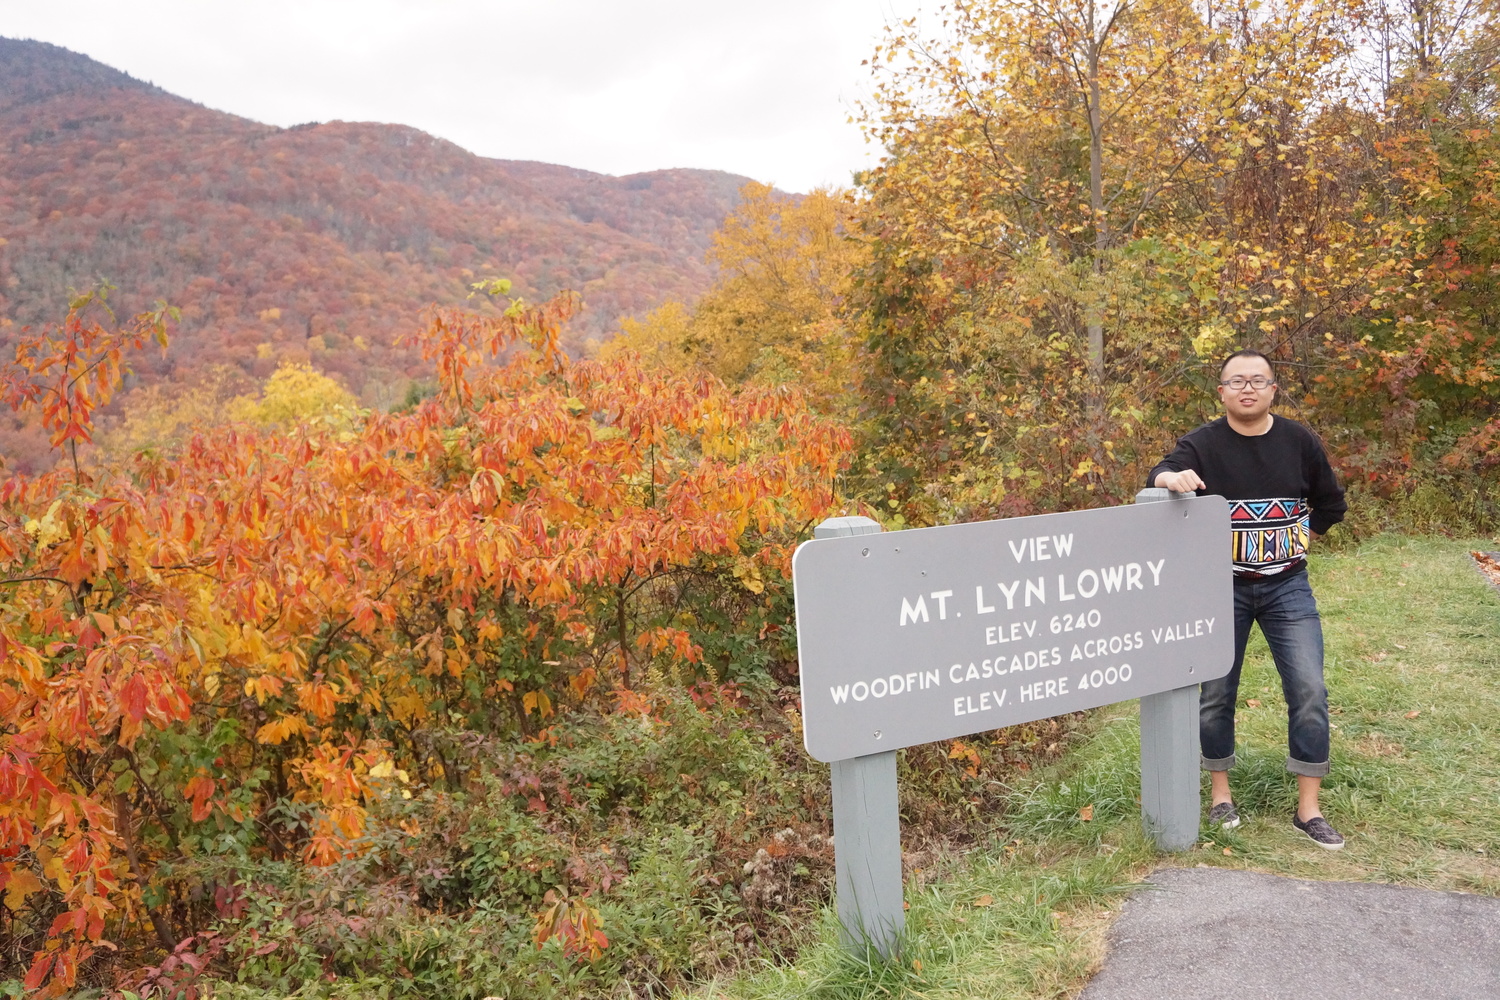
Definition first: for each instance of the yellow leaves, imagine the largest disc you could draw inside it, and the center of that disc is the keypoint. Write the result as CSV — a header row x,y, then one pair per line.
x,y
21,884
56,870
388,769
747,572
52,528
408,707
583,681
773,316
295,394
538,702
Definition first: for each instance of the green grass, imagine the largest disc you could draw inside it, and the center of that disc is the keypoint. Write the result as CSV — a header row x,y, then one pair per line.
x,y
1413,667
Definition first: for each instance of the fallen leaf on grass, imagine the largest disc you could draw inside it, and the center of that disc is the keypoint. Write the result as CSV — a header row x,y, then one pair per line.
x,y
916,965
985,900
1399,646
1253,703
1228,851
1378,656
1414,713
1086,813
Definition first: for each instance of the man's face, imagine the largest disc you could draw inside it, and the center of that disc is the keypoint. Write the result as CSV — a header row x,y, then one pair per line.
x,y
1247,404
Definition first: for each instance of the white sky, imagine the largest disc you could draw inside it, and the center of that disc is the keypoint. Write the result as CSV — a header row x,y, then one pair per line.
x,y
617,86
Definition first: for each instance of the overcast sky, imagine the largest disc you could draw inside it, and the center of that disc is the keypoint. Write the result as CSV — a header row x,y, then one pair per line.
x,y
618,86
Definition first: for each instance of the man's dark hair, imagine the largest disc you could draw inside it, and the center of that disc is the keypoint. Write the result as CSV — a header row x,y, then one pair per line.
x,y
1246,352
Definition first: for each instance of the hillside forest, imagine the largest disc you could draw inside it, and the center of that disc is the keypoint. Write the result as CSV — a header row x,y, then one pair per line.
x,y
316,244
491,689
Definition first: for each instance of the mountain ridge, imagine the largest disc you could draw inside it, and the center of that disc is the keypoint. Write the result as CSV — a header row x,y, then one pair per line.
x,y
319,242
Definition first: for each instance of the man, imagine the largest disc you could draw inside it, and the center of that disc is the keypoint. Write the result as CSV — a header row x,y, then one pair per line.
x,y
1281,492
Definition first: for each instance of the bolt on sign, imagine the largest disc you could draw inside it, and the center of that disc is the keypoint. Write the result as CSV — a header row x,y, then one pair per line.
x,y
915,636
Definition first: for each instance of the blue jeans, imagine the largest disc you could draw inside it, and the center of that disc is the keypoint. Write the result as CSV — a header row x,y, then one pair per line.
x,y
1288,617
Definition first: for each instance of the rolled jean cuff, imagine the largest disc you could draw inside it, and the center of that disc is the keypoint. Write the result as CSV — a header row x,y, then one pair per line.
x,y
1225,763
1310,770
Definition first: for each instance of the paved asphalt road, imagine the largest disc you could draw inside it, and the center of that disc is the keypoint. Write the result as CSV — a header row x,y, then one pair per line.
x,y
1214,933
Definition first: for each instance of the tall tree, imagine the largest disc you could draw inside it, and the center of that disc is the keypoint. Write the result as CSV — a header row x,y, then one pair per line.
x,y
775,312
1060,225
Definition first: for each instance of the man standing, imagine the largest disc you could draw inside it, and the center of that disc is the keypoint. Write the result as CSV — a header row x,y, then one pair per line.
x,y
1281,492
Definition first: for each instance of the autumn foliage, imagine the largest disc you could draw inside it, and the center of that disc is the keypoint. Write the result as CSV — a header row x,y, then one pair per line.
x,y
226,647
1084,206
319,243
315,691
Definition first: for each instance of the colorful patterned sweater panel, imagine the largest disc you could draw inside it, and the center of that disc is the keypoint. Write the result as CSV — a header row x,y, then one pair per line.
x,y
1269,536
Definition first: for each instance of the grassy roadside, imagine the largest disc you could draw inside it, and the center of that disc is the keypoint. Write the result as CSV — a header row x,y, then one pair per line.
x,y
1414,679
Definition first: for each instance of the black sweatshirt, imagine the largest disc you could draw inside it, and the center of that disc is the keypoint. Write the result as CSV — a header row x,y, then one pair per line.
x,y
1278,484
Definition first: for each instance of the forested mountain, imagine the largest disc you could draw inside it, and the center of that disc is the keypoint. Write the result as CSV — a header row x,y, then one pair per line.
x,y
319,242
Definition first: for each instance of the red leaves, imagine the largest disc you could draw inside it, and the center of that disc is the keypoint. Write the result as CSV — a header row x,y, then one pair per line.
x,y
177,976
133,698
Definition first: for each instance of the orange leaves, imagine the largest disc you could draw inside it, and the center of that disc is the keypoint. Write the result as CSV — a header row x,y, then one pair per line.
x,y
319,698
328,776
583,681
470,561
199,790
678,642
632,702
76,367
458,340
263,687
73,567
966,753
281,729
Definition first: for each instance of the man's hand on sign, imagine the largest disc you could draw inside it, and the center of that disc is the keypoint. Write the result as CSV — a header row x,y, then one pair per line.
x,y
1179,482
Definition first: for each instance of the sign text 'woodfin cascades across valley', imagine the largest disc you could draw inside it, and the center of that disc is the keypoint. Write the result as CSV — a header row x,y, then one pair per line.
x,y
913,636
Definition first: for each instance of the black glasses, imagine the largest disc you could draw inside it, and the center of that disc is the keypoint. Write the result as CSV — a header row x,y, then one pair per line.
x,y
1239,382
